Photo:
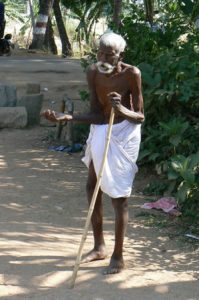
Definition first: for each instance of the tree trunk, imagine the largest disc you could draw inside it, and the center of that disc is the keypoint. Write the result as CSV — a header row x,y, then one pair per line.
x,y
66,46
32,15
41,24
49,41
149,10
2,19
117,13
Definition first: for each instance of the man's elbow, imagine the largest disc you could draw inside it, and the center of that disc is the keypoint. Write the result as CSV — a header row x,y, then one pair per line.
x,y
140,119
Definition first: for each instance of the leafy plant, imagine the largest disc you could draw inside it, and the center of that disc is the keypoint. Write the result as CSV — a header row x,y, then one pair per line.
x,y
173,131
164,140
168,57
15,10
184,171
88,59
87,12
155,188
84,95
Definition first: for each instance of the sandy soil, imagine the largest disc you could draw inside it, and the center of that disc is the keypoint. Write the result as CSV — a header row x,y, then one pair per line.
x,y
44,208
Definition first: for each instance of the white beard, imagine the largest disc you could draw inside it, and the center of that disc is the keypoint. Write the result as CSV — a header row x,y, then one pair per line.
x,y
104,68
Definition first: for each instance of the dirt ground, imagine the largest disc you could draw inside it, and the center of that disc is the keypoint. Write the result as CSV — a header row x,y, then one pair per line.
x,y
44,208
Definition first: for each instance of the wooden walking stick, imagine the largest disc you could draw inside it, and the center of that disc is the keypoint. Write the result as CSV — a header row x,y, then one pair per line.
x,y
93,200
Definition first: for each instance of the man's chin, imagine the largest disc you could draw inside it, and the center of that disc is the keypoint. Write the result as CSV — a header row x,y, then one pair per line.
x,y
105,68
106,72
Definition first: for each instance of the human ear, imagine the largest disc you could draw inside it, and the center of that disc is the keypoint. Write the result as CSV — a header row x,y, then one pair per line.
x,y
121,56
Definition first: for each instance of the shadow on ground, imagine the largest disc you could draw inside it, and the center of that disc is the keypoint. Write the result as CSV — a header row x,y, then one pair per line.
x,y
43,212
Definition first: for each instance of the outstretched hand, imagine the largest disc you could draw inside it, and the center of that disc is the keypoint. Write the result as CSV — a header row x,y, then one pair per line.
x,y
54,116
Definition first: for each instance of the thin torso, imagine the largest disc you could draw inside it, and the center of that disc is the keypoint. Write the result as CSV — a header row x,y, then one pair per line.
x,y
117,82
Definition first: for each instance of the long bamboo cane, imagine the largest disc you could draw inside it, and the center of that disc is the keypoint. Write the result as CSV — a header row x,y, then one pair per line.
x,y
93,200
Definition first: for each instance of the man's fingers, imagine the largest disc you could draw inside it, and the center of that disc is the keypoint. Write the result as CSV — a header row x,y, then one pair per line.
x,y
46,112
113,94
115,100
55,116
49,115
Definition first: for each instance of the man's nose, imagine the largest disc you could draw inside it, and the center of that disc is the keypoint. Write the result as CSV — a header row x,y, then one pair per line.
x,y
103,58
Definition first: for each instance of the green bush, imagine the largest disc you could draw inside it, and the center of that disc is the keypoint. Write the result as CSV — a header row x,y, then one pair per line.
x,y
169,62
184,175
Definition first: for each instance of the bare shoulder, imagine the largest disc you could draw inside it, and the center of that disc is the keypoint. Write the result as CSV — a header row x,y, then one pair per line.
x,y
135,70
131,70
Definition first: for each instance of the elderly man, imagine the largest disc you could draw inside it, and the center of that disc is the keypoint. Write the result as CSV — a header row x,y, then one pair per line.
x,y
112,83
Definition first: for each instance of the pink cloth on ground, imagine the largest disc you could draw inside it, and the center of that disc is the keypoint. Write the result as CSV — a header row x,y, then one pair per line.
x,y
167,204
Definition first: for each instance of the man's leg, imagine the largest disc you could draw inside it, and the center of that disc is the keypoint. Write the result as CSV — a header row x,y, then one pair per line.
x,y
99,251
121,219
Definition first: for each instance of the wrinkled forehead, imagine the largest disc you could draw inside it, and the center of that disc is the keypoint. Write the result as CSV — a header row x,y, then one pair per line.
x,y
111,50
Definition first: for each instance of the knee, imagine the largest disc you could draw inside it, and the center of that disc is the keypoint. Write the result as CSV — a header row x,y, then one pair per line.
x,y
90,186
120,204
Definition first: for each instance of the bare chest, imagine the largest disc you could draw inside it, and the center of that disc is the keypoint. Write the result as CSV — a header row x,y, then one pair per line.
x,y
107,84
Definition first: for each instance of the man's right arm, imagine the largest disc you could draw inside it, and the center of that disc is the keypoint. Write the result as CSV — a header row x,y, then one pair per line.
x,y
94,116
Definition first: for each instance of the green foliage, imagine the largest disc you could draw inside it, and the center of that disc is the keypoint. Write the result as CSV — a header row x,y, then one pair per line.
x,y
88,59
168,58
165,140
84,95
88,13
172,81
155,188
14,9
184,172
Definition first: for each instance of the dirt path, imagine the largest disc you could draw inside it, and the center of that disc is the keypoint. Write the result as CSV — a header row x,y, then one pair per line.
x,y
43,210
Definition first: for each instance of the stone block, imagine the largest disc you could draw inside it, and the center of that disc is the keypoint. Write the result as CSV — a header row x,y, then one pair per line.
x,y
33,105
33,88
13,117
8,96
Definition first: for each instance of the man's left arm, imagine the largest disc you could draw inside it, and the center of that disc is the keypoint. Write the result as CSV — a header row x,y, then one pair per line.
x,y
136,92
137,114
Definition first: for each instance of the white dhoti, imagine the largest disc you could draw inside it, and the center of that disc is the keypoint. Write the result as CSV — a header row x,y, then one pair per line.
x,y
120,167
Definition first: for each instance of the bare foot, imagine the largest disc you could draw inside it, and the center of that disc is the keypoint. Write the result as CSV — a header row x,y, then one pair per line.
x,y
95,255
116,266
